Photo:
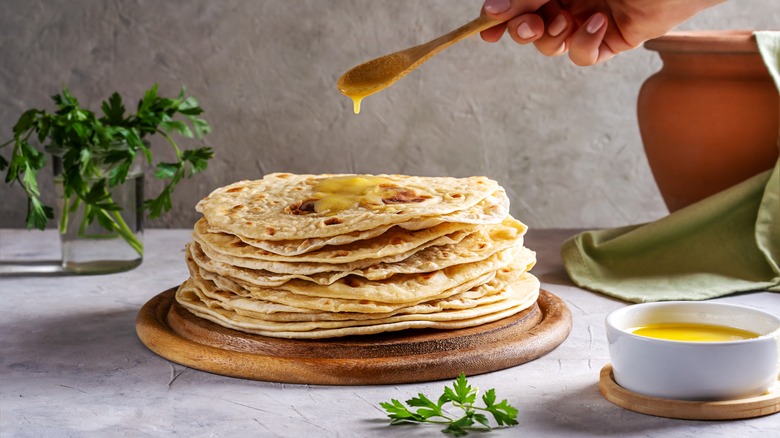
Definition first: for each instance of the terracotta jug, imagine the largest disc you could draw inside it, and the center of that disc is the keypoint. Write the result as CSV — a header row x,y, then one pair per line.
x,y
709,117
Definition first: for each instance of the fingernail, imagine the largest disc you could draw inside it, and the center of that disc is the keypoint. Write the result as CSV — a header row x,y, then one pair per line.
x,y
497,6
557,26
595,23
524,31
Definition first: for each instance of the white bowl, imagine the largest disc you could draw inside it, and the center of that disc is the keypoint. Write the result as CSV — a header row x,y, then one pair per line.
x,y
687,370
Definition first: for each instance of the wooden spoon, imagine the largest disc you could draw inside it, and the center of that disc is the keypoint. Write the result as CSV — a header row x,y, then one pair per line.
x,y
380,73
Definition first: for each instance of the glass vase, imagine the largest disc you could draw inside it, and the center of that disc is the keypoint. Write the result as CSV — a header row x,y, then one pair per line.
x,y
91,248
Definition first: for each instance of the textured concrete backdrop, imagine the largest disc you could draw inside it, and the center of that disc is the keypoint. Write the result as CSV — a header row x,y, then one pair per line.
x,y
562,139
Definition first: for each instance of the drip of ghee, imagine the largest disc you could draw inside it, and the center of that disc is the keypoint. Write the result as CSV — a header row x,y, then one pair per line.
x,y
345,192
692,332
356,103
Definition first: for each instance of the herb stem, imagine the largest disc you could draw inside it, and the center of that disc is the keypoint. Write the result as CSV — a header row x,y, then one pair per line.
x,y
127,233
83,225
66,208
172,143
449,421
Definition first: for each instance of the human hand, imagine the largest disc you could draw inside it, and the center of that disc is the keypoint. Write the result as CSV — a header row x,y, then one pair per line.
x,y
591,31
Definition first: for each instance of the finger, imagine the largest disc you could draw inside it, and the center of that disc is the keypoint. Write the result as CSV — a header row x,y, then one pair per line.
x,y
507,9
494,33
526,28
586,45
554,42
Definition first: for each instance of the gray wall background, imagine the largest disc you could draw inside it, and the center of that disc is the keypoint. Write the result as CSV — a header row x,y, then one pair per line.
x,y
562,139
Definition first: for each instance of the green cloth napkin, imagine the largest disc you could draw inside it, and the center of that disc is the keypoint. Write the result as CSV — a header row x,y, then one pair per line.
x,y
727,243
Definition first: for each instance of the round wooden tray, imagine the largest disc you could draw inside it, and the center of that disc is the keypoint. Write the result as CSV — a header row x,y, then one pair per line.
x,y
174,333
684,409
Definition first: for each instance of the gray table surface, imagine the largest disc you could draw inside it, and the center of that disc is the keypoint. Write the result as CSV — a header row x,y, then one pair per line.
x,y
71,365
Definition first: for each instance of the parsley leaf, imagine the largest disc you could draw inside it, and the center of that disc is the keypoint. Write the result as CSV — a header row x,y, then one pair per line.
x,y
114,110
460,395
399,413
503,412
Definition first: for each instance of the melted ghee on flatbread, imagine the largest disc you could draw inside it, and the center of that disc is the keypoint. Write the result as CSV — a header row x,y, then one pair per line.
x,y
346,192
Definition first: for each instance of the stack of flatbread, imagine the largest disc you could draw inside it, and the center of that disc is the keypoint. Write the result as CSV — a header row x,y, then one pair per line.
x,y
321,256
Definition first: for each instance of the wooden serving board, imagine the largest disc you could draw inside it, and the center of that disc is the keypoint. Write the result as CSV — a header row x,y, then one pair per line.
x,y
174,333
758,406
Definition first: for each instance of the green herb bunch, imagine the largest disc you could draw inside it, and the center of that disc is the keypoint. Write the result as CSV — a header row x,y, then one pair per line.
x,y
97,152
461,395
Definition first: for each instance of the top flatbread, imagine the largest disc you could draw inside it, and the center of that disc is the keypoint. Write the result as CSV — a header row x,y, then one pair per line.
x,y
279,206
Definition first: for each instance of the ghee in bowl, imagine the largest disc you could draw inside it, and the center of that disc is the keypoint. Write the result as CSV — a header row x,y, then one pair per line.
x,y
684,331
657,349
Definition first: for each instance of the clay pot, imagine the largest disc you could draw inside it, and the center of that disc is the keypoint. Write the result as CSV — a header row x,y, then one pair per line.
x,y
709,117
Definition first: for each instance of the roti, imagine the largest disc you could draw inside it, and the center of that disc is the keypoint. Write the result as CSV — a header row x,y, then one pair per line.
x,y
393,242
486,241
324,256
524,294
496,289
401,288
238,256
283,206
325,304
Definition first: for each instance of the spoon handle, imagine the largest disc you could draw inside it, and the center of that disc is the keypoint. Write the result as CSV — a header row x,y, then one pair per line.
x,y
474,26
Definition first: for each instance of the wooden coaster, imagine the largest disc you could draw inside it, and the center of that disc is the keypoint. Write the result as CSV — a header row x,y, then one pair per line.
x,y
174,333
687,410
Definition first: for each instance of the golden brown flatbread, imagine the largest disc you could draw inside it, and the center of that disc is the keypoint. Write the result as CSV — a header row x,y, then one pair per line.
x,y
320,256
282,206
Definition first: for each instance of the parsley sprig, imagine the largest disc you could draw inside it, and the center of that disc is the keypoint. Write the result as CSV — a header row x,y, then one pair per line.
x,y
461,395
98,152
